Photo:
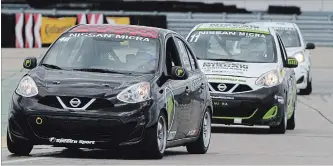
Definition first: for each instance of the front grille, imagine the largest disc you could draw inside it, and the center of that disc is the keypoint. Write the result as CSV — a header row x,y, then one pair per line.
x,y
52,101
242,88
216,85
66,100
81,128
243,109
239,88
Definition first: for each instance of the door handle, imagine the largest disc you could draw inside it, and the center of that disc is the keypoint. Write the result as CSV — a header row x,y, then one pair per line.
x,y
187,91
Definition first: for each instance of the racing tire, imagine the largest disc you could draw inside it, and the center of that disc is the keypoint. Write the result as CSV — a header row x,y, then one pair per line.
x,y
282,127
19,148
155,139
291,122
307,90
201,145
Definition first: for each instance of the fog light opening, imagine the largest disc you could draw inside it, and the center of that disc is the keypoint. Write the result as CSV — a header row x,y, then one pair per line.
x,y
39,120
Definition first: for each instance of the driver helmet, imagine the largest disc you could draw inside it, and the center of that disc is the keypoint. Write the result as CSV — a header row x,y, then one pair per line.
x,y
288,37
146,51
256,47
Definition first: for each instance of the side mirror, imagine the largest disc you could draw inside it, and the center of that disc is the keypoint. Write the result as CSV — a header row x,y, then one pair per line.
x,y
179,73
30,62
310,46
292,63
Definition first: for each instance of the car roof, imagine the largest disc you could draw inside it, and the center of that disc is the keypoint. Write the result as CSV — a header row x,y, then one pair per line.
x,y
135,30
233,27
275,25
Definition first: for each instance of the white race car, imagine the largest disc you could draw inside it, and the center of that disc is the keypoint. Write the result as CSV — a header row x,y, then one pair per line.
x,y
293,41
251,79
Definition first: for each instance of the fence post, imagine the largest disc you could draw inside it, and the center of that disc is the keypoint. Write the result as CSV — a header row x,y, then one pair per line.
x,y
224,15
259,16
189,15
54,12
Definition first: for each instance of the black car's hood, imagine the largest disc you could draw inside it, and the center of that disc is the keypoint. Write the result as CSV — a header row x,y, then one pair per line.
x,y
79,83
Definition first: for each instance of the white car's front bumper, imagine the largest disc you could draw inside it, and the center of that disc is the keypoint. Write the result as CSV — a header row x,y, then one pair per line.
x,y
302,74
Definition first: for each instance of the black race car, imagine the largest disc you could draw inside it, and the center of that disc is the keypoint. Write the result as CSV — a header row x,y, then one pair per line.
x,y
105,86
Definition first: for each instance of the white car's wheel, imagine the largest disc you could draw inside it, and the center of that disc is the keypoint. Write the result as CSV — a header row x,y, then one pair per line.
x,y
308,88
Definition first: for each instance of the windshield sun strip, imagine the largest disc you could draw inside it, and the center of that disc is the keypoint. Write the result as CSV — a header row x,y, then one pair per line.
x,y
231,29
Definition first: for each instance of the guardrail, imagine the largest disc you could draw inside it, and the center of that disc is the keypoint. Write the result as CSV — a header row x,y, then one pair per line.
x,y
316,28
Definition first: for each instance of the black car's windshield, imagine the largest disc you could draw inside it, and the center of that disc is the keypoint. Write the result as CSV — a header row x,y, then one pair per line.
x,y
111,53
289,36
233,46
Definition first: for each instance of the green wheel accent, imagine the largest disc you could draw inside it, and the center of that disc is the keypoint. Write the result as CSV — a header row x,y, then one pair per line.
x,y
271,113
170,109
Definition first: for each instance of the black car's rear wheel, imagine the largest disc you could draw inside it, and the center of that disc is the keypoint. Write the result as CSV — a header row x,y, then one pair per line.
x,y
201,145
156,138
22,148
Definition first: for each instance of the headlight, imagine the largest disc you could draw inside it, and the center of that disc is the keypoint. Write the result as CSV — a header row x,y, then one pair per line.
x,y
269,79
135,93
299,57
27,87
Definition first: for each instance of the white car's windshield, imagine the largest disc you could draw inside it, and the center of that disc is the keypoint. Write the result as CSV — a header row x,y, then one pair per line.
x,y
128,54
233,46
289,36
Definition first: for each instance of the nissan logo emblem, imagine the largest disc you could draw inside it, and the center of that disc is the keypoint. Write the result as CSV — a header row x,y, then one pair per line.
x,y
221,87
75,102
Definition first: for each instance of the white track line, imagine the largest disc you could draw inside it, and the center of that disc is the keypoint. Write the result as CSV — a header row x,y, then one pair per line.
x,y
23,160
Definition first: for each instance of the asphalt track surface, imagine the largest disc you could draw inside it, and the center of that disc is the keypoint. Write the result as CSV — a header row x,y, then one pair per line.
x,y
311,143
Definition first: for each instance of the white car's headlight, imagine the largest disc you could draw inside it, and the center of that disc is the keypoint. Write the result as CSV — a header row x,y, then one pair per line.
x,y
299,57
27,87
269,79
135,93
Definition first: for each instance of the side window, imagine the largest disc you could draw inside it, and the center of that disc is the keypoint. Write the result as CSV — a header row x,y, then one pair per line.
x,y
172,55
183,54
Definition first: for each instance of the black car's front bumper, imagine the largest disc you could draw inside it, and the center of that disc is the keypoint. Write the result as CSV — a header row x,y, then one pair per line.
x,y
261,107
49,126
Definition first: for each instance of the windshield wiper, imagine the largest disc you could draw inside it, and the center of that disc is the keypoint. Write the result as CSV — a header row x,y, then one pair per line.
x,y
229,60
51,66
100,70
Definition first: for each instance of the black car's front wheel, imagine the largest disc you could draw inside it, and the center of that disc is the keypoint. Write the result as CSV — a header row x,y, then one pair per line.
x,y
156,138
200,146
292,122
19,148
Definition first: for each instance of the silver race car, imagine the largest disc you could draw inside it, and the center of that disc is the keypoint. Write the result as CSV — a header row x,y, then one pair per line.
x,y
293,41
251,79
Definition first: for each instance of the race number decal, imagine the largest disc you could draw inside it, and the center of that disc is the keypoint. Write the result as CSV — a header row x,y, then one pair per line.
x,y
194,38
170,106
